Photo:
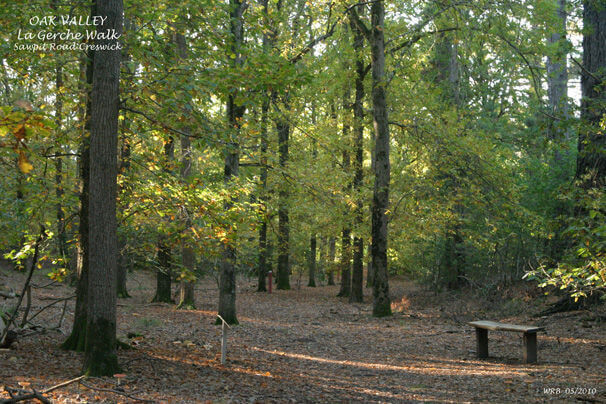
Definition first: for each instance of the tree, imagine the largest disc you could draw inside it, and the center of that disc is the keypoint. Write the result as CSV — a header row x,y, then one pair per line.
x,y
357,278
235,112
100,352
557,72
283,129
345,289
77,338
188,257
446,67
591,162
264,264
124,167
164,272
380,202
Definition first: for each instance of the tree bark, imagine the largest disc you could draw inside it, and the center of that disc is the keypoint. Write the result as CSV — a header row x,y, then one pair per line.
x,y
61,236
122,257
312,262
345,289
100,352
125,155
332,252
447,77
369,271
164,272
188,257
558,131
263,257
591,160
227,282
357,278
380,201
77,337
557,73
283,281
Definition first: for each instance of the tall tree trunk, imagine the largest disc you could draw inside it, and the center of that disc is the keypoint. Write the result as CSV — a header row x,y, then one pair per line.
x,y
591,160
557,73
125,155
357,278
263,258
369,271
188,257
321,264
345,289
557,91
283,129
332,252
227,282
100,352
345,264
61,236
447,76
380,201
164,272
77,337
312,262
122,257
283,281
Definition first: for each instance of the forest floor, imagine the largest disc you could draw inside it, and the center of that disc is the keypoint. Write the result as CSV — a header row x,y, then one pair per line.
x,y
306,345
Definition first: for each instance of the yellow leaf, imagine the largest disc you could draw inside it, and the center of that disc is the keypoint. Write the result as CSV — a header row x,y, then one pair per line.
x,y
24,165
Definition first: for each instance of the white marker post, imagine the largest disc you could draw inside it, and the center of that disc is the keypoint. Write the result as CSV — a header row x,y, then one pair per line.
x,y
223,339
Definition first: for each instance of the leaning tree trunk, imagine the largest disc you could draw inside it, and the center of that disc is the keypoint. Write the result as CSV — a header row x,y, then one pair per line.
x,y
380,201
100,352
591,160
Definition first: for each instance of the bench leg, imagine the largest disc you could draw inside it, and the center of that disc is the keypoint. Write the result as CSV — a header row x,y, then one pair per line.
x,y
482,338
530,347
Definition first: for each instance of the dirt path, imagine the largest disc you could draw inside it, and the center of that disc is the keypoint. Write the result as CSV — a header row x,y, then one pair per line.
x,y
308,346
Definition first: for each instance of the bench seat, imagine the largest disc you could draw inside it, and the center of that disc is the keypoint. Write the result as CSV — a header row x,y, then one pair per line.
x,y
494,326
529,331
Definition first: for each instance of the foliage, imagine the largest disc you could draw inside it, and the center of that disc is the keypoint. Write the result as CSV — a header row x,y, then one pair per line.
x,y
582,271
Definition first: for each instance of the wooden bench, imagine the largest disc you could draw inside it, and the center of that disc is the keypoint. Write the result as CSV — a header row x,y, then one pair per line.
x,y
530,337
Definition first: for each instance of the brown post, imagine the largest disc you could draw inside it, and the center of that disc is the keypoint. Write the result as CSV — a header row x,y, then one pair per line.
x,y
530,347
482,338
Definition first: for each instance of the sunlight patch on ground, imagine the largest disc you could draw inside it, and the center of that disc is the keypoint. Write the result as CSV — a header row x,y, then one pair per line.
x,y
447,370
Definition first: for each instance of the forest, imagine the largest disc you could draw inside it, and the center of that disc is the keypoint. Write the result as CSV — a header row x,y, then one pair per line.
x,y
302,201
